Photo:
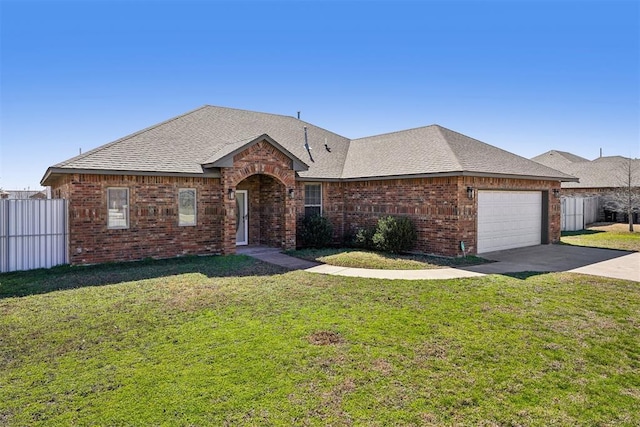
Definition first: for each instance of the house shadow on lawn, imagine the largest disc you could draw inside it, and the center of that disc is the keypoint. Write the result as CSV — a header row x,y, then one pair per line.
x,y
524,275
41,281
581,232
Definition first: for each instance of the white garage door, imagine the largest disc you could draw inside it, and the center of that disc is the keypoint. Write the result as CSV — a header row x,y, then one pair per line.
x,y
509,219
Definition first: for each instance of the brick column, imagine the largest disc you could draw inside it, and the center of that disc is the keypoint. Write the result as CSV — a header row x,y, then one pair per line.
x,y
289,220
229,219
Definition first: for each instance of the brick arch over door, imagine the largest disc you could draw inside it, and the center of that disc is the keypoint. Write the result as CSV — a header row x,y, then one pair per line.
x,y
266,204
261,158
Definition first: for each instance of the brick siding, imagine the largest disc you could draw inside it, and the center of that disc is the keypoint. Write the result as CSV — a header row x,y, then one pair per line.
x,y
153,218
439,207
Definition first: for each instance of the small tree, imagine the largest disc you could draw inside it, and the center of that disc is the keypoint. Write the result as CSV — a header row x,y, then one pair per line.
x,y
626,198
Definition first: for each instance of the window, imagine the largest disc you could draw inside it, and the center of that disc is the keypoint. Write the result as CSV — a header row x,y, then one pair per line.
x,y
312,199
118,207
187,206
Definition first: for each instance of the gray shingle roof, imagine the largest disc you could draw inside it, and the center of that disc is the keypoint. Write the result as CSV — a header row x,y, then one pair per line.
x,y
558,159
432,150
603,172
184,144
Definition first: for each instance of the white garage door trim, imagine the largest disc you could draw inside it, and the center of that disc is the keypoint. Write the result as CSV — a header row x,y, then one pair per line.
x,y
509,219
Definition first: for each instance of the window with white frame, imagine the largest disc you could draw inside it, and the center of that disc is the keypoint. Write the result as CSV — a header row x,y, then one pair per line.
x,y
118,207
187,206
312,199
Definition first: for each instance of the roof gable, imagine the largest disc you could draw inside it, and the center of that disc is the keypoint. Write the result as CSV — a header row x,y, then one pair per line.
x,y
224,157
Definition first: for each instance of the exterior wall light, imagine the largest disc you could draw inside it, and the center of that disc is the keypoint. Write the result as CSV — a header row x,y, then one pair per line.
x,y
231,193
292,193
470,193
556,193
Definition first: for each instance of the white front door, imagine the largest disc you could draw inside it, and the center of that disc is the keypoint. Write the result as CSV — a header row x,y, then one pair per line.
x,y
242,218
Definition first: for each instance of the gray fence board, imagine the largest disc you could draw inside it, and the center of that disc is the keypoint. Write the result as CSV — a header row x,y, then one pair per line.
x,y
33,234
577,212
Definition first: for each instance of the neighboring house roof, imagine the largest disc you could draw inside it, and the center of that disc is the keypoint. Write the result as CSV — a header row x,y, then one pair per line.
x,y
603,172
198,142
23,194
558,159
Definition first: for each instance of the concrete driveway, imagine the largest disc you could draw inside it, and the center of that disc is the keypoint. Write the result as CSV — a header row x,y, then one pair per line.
x,y
575,259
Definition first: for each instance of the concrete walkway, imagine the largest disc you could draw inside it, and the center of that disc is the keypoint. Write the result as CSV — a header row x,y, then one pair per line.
x,y
274,256
575,259
626,267
542,258
435,273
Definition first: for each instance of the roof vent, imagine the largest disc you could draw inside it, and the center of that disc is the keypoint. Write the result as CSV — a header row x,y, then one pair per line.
x,y
306,144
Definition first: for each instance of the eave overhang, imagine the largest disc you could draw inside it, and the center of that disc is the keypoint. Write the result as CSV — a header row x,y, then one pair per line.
x,y
438,175
54,172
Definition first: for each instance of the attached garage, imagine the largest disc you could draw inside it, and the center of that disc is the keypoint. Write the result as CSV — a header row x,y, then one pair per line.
x,y
509,219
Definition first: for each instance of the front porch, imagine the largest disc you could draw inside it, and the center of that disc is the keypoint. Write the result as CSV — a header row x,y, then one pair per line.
x,y
258,184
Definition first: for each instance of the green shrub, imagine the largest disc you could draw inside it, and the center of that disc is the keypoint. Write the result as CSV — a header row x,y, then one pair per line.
x,y
363,238
395,234
316,232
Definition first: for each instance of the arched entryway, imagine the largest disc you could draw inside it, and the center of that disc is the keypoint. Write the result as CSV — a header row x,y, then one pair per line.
x,y
260,212
267,173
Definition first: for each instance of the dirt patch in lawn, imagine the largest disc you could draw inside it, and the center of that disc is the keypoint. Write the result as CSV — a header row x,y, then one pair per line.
x,y
325,338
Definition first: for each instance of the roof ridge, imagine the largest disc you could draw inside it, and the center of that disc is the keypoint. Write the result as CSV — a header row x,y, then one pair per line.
x,y
394,132
277,115
304,123
439,129
502,150
124,138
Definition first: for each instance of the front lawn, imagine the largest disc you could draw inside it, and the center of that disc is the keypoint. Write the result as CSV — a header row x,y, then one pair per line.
x,y
368,259
609,236
189,346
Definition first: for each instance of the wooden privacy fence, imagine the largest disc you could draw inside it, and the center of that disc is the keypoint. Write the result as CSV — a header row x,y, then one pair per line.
x,y
577,212
33,234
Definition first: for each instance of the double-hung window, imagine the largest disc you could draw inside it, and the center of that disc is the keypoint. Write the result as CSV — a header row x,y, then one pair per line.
x,y
187,206
118,208
312,199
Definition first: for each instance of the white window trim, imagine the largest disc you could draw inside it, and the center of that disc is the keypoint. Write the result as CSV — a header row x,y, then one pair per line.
x,y
195,208
305,197
126,209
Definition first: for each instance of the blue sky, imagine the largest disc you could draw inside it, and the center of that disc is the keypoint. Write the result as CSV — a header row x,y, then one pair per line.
x,y
524,76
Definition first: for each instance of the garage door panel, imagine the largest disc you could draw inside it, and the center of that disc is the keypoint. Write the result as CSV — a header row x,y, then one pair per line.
x,y
509,219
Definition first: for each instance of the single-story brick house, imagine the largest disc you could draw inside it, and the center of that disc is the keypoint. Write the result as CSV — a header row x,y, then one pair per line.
x,y
599,177
214,178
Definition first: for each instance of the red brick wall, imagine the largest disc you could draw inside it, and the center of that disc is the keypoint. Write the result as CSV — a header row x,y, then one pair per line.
x,y
586,192
153,218
263,158
429,202
439,207
266,210
469,219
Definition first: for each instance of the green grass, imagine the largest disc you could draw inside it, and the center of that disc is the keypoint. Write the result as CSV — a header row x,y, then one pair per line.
x,y
367,259
613,236
201,347
67,277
